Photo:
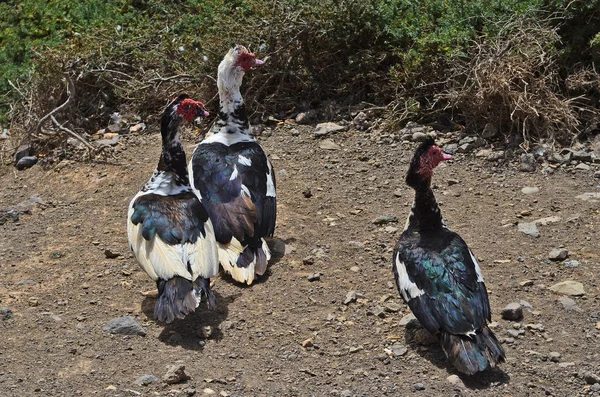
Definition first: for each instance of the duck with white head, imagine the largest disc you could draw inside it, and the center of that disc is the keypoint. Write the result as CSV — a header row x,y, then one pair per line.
x,y
234,177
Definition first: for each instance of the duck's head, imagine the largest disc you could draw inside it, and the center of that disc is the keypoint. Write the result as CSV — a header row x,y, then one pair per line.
x,y
426,158
181,108
236,62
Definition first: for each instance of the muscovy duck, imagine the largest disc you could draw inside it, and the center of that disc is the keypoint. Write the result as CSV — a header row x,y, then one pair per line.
x,y
439,277
168,227
234,177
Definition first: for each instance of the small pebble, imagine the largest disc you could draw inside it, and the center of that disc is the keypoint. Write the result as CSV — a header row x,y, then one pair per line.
x,y
512,312
419,386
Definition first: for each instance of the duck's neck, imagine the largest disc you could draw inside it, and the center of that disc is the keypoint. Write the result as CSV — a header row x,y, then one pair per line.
x,y
425,213
172,157
232,111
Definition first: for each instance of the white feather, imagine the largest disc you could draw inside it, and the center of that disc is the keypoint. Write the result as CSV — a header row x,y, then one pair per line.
x,y
234,174
477,268
244,160
408,289
270,183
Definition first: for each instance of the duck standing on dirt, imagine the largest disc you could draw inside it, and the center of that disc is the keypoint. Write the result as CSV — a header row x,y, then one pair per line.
x,y
438,276
168,227
234,177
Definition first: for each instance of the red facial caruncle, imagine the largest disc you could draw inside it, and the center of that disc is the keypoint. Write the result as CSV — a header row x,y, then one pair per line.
x,y
191,109
430,159
247,60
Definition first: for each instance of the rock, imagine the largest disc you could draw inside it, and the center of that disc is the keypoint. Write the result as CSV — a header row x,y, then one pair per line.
x,y
110,255
547,220
512,312
399,350
307,343
465,148
571,264
208,392
589,197
529,228
377,311
175,374
558,254
554,157
24,150
314,277
582,155
583,167
139,127
304,118
124,326
489,131
325,129
392,307
204,332
526,283
26,162
455,381
569,287
5,134
530,190
383,219
350,297
114,127
496,155
145,380
418,136
361,121
107,142
554,357
307,193
407,319
5,313
527,163
328,144
391,229
355,269
450,148
591,378
569,304
418,386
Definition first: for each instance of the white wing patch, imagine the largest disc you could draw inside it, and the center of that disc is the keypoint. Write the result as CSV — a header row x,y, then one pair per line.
x,y
477,268
234,174
245,190
407,288
244,160
270,183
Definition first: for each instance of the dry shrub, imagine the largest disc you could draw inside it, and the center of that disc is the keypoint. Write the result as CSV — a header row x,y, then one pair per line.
x,y
512,81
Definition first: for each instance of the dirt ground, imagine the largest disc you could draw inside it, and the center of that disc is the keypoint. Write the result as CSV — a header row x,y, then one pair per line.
x,y
62,288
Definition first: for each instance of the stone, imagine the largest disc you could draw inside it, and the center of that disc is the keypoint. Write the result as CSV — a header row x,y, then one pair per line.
x,y
489,131
26,162
418,386
383,219
145,380
108,142
391,229
5,313
377,311
392,307
208,391
547,220
530,190
355,269
314,277
24,150
496,155
590,378
418,136
328,144
558,254
124,326
361,121
455,381
175,374
571,264
350,297
512,312
529,228
568,287
582,155
325,129
554,357
569,304
307,117
5,134
583,167
204,332
110,255
407,319
527,163
139,127
592,197
307,343
526,283
399,350
450,148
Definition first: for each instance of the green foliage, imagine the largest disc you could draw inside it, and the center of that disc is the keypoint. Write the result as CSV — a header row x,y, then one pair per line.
x,y
348,50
